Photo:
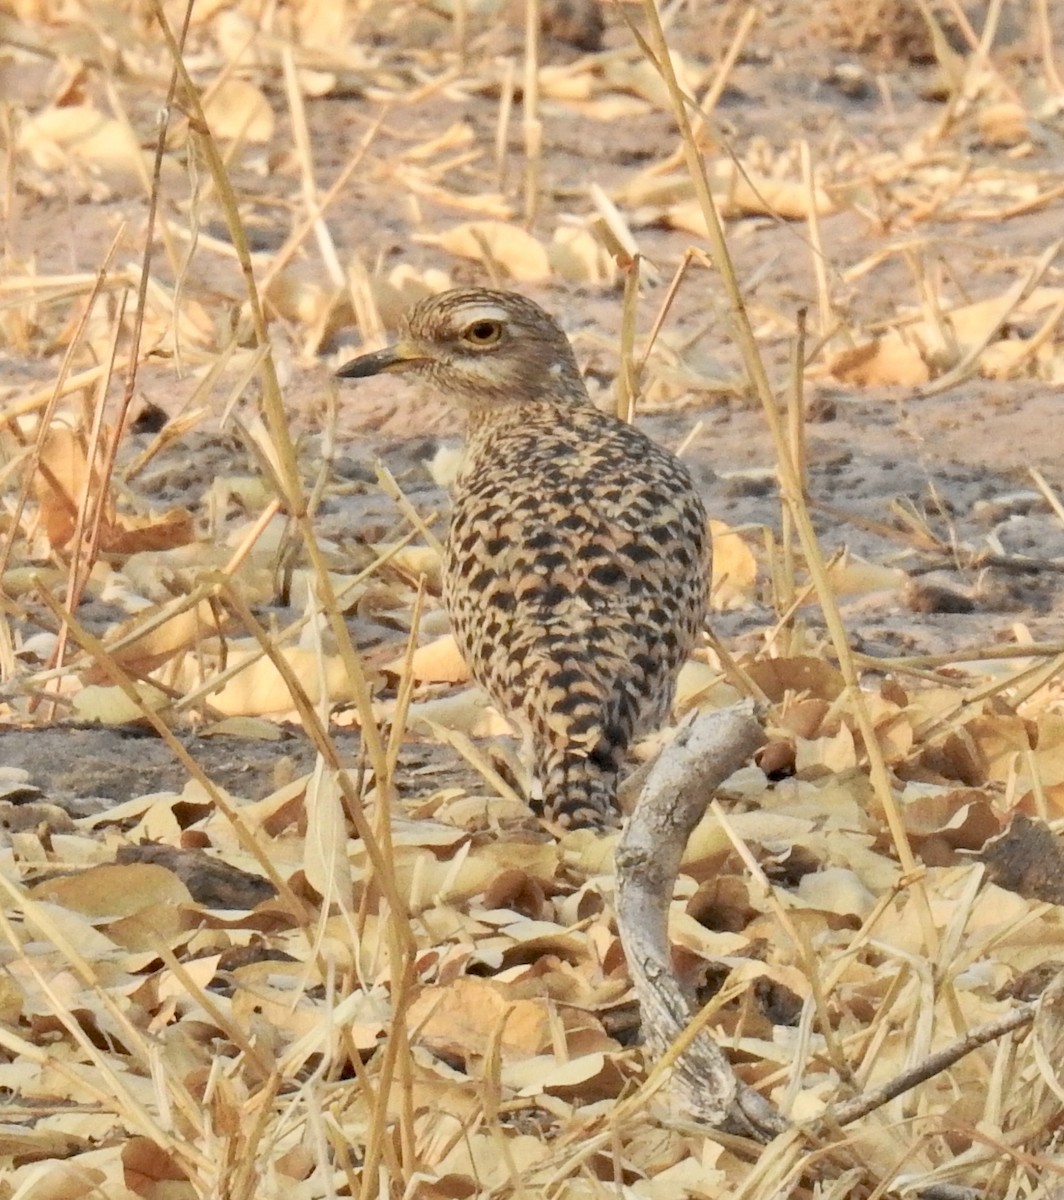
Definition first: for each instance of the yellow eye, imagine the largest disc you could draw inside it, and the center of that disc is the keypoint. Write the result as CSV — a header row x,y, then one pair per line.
x,y
483,333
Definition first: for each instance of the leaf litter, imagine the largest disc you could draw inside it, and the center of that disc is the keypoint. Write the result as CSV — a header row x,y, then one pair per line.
x,y
377,972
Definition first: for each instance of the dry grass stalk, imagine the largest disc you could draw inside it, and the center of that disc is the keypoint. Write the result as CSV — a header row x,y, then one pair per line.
x,y
790,483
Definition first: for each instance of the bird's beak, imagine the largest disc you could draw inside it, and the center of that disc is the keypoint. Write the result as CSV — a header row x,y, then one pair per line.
x,y
403,356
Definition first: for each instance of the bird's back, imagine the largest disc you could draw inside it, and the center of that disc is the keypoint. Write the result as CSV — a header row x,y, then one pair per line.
x,y
576,575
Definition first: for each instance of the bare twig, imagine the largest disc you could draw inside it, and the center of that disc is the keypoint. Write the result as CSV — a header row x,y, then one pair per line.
x,y
671,804
861,1106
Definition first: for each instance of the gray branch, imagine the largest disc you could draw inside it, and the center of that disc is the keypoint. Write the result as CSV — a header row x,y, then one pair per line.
x,y
675,796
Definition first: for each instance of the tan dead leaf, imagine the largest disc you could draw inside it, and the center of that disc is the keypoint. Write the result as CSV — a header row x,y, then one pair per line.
x,y
236,108
164,639
586,1078
709,844
421,875
563,82
141,807
297,1163
80,132
507,248
612,106
131,534
699,683
280,810
65,477
161,574
415,561
438,662
209,11
804,717
853,576
925,348
1049,1033
322,311
746,194
109,892
404,287
691,1176
237,36
253,729
740,193
458,136
830,755
577,256
1049,748
890,359
932,704
1003,123
259,687
24,580
653,189
109,705
734,568
1003,741
155,925
468,1017
801,675
711,944
325,863
973,324
894,732
151,1172
493,206
10,999
469,711
472,1164
297,299
251,492
959,818
1004,359
836,890
61,1180
640,77
875,871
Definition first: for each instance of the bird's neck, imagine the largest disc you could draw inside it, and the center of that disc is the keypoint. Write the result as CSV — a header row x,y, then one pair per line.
x,y
482,420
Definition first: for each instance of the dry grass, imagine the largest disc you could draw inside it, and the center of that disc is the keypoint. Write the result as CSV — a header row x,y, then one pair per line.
x,y
365,982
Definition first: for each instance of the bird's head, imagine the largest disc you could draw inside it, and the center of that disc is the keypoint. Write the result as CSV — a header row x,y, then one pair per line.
x,y
483,349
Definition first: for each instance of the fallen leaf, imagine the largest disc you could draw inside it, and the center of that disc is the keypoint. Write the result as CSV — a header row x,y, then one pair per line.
x,y
499,245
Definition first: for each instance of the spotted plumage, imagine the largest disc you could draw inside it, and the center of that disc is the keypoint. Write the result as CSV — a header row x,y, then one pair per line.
x,y
577,561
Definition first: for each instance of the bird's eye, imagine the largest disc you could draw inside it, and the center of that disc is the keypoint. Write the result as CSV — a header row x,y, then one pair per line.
x,y
483,333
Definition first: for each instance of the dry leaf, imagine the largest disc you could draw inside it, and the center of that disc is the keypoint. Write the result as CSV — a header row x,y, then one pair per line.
x,y
237,109
258,687
892,359
109,705
1003,124
80,132
577,256
734,569
500,246
470,1016
438,662
65,479
325,855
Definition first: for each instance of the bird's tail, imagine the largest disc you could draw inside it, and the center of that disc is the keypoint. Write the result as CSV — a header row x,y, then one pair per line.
x,y
580,789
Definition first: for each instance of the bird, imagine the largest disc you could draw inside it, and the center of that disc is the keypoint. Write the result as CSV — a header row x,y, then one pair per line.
x,y
577,561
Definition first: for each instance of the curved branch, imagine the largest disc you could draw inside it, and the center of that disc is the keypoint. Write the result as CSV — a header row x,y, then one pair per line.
x,y
673,799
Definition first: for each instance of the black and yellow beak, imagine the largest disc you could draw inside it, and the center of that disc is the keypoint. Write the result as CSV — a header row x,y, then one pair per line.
x,y
403,356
